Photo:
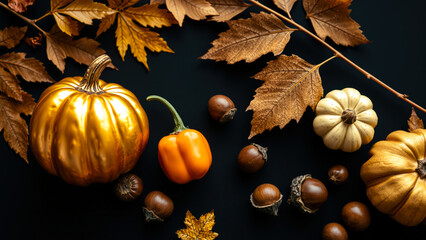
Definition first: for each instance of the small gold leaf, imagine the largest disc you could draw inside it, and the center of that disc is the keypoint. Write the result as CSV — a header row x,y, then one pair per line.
x,y
198,229
414,122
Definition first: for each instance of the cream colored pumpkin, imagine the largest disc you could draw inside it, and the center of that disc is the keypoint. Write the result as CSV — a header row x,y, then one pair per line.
x,y
345,120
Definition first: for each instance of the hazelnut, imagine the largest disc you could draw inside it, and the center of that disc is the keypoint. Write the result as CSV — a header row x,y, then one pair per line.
x,y
128,187
356,216
221,108
334,231
158,206
307,193
338,174
252,158
266,198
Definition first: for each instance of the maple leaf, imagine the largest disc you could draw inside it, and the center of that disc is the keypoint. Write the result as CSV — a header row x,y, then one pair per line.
x,y
14,127
82,10
198,229
11,36
60,46
194,9
227,9
249,39
330,18
20,5
129,33
285,5
414,122
34,41
291,85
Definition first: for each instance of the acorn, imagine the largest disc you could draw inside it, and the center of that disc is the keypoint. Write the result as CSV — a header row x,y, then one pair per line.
x,y
307,194
158,206
128,187
252,158
266,198
221,108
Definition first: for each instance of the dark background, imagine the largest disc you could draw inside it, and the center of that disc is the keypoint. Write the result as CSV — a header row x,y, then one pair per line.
x,y
36,205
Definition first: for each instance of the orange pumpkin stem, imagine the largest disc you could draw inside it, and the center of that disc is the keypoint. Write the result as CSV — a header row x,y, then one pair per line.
x,y
421,168
90,81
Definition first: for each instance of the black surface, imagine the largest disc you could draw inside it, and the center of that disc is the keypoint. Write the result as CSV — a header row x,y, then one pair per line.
x,y
36,205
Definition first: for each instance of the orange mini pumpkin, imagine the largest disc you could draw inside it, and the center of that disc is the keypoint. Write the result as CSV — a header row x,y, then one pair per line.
x,y
86,130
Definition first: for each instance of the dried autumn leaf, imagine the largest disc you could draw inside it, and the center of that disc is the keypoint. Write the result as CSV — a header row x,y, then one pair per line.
x,y
20,5
330,18
198,229
414,122
60,46
30,69
249,39
285,5
194,9
15,129
34,41
227,9
9,85
291,85
158,1
11,36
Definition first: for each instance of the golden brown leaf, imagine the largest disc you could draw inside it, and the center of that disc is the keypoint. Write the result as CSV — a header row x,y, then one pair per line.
x,y
249,39
414,122
30,69
11,36
330,18
291,85
194,9
150,15
20,5
15,129
34,41
9,85
66,24
60,46
198,229
105,24
285,5
227,9
158,1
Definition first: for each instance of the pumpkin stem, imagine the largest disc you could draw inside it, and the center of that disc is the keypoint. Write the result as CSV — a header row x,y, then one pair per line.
x,y
421,168
348,116
179,126
90,81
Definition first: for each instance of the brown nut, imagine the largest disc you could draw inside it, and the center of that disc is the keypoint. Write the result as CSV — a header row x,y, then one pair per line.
x,y
221,108
128,187
307,193
338,174
266,198
334,231
158,206
252,158
356,216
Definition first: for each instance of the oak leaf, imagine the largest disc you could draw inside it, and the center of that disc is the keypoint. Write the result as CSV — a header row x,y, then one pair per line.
x,y
330,18
11,36
60,46
34,41
14,127
249,39
129,33
414,122
285,5
227,9
198,229
194,9
290,85
20,5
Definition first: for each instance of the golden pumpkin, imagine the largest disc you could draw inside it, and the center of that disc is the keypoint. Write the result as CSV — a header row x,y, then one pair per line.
x,y
345,120
395,176
86,130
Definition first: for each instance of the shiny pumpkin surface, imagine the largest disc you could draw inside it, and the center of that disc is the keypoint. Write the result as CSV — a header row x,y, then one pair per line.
x,y
394,176
88,137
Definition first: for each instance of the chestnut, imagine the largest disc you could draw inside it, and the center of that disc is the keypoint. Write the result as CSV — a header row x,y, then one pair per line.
x,y
338,174
356,216
334,231
221,108
307,193
128,187
252,158
158,206
266,198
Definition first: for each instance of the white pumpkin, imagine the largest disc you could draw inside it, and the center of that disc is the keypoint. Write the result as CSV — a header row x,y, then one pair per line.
x,y
345,120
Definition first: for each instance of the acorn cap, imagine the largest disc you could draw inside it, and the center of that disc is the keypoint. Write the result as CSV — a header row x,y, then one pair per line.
x,y
271,209
296,194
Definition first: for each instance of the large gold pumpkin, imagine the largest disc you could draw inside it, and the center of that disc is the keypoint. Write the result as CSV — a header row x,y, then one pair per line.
x,y
395,176
86,130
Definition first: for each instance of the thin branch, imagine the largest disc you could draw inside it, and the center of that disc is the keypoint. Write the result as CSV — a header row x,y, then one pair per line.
x,y
340,55
45,15
29,21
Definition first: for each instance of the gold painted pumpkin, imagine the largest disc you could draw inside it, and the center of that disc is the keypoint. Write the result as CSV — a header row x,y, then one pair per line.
x,y
86,130
345,120
395,176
